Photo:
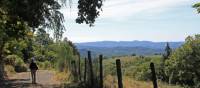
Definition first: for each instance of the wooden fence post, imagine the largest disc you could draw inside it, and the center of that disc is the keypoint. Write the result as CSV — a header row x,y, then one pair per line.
x,y
101,70
91,70
85,72
74,70
79,67
154,79
76,73
119,73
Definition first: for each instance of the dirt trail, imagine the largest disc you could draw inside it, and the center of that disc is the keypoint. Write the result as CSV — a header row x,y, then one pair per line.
x,y
44,79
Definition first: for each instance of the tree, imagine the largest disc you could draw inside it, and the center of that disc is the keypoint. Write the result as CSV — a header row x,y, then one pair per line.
x,y
43,39
197,6
168,51
183,63
45,13
88,11
10,29
15,14
18,18
166,55
133,54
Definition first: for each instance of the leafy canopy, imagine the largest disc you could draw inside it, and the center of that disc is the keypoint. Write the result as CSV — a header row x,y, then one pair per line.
x,y
46,13
197,6
184,61
88,11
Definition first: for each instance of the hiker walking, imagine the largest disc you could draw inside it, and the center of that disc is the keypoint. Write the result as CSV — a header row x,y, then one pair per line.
x,y
33,67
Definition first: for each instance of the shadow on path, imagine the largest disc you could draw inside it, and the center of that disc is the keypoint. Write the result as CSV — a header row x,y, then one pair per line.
x,y
25,83
44,80
22,80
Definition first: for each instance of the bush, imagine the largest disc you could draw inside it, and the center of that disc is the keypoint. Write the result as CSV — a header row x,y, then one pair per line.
x,y
9,69
143,72
10,59
47,65
44,65
135,67
182,66
16,62
20,66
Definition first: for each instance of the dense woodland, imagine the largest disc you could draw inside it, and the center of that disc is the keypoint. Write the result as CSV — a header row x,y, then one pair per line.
x,y
25,27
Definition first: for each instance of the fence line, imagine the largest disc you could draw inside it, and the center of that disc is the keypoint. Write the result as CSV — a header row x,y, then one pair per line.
x,y
88,69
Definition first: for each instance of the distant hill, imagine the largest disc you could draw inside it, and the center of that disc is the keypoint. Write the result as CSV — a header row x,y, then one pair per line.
x,y
113,48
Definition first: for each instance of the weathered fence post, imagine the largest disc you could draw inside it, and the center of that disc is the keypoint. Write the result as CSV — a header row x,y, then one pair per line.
x,y
101,70
91,69
72,66
119,73
79,67
154,79
76,73
85,72
74,70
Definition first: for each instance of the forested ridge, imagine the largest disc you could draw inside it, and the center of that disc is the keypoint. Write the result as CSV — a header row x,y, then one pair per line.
x,y
120,48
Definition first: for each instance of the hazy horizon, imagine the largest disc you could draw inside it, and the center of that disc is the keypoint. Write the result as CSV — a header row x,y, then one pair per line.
x,y
127,41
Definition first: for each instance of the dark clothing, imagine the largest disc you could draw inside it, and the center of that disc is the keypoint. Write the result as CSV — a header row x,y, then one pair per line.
x,y
33,75
33,67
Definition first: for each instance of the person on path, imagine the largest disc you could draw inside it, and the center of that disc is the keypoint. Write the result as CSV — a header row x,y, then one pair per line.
x,y
33,67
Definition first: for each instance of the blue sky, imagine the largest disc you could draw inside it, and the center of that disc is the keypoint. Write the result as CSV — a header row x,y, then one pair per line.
x,y
127,20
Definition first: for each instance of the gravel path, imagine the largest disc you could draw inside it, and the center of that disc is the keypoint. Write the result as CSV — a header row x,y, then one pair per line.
x,y
44,79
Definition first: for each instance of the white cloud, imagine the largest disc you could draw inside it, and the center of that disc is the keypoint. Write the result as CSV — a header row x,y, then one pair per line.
x,y
121,9
130,8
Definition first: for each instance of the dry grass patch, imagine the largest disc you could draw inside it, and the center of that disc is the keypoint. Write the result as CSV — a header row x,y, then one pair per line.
x,y
9,70
111,82
62,76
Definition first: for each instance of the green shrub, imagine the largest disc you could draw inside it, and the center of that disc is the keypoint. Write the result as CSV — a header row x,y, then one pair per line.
x,y
11,59
46,65
20,66
135,67
143,72
16,62
182,66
